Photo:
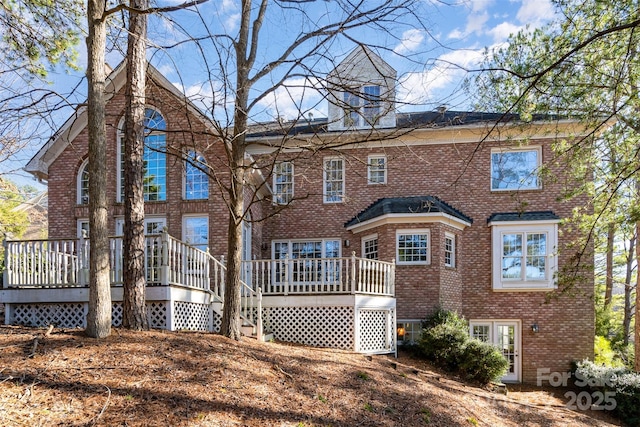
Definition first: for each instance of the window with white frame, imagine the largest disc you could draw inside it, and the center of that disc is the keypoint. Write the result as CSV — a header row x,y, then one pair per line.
x,y
83,226
83,183
154,158
480,331
307,260
152,225
409,332
196,180
516,169
282,183
449,250
377,169
362,106
370,247
333,182
195,231
524,256
412,247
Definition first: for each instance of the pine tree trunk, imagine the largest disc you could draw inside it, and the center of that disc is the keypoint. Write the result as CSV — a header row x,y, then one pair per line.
x,y
134,312
608,292
628,313
99,316
636,328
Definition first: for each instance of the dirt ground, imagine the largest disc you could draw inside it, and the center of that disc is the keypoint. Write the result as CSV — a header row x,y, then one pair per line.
x,y
158,378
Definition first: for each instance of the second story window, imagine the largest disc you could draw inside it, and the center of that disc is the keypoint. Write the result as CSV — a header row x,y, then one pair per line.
x,y
362,106
449,250
333,182
196,181
154,158
282,183
377,169
83,184
412,247
515,169
370,247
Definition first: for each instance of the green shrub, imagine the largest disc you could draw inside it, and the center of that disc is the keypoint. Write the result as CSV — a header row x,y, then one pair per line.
x,y
442,317
622,383
444,344
604,354
482,362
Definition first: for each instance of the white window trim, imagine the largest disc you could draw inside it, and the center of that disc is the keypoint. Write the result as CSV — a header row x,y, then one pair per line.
x,y
513,150
507,227
79,223
414,231
184,175
83,166
324,181
184,227
276,196
369,238
119,223
451,236
369,169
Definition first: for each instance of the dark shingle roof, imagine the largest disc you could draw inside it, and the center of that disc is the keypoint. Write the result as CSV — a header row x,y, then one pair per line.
x,y
416,204
523,216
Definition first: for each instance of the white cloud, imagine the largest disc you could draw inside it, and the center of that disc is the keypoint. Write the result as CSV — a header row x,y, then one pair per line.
x,y
480,5
294,98
535,12
475,22
411,40
502,31
232,22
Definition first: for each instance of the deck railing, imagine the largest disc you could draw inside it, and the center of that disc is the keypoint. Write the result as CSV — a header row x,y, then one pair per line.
x,y
348,275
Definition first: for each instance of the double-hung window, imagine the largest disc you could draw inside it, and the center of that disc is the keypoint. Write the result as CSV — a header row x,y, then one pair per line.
x,y
516,169
333,182
195,231
282,183
412,247
196,180
377,169
362,106
370,247
524,256
449,250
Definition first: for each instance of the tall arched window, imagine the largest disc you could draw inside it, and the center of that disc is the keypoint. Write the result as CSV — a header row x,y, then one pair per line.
x,y
83,183
154,157
196,181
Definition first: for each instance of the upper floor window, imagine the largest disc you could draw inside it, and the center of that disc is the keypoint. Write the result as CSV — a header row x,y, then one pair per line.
x,y
523,256
154,157
195,231
196,180
515,169
370,247
449,250
412,247
333,182
83,183
377,169
362,106
282,183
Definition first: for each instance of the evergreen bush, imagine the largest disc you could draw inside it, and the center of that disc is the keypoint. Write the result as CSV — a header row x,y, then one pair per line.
x,y
482,362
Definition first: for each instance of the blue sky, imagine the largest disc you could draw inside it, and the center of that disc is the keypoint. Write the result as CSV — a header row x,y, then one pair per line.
x,y
430,61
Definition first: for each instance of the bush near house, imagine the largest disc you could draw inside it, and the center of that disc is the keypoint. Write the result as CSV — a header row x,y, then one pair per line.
x,y
445,341
618,386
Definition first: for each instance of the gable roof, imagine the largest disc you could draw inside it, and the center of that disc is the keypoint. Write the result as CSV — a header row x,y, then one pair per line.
x,y
76,123
412,206
523,216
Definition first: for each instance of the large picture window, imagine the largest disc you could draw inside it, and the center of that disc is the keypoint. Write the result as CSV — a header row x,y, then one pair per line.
x,y
333,182
154,158
515,169
523,256
307,260
412,247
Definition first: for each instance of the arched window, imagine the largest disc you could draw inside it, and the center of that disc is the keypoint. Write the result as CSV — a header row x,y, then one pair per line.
x,y
154,157
196,181
83,183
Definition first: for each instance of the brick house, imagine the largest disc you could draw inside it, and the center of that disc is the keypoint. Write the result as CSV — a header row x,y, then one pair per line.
x,y
452,203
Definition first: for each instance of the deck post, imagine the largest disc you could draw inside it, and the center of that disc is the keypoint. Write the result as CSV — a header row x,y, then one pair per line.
x,y
392,278
7,267
286,274
259,328
354,266
83,259
164,261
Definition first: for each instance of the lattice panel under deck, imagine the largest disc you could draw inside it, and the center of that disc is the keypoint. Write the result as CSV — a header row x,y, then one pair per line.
x,y
117,310
315,326
217,321
65,315
374,330
157,314
190,316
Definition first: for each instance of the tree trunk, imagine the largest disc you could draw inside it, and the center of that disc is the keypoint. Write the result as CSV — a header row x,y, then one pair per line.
x,y
636,328
134,312
608,292
628,314
99,316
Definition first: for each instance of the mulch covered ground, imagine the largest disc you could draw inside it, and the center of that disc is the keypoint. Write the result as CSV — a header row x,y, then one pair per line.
x,y
158,378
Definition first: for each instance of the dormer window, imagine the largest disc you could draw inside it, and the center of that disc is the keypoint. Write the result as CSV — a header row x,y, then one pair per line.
x,y
363,106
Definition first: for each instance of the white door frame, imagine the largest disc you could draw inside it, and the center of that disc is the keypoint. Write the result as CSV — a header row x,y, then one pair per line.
x,y
515,374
